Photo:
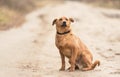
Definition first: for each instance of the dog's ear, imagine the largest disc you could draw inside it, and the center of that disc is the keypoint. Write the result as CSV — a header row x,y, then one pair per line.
x,y
54,21
71,19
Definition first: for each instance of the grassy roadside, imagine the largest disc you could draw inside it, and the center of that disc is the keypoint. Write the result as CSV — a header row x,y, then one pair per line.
x,y
12,12
11,15
115,4
9,18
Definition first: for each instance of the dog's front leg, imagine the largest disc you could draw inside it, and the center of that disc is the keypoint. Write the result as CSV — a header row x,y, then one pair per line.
x,y
73,60
63,62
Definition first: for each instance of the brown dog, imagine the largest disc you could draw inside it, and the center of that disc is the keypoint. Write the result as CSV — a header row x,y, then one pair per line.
x,y
70,46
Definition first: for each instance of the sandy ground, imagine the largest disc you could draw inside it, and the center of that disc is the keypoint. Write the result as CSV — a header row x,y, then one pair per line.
x,y
29,51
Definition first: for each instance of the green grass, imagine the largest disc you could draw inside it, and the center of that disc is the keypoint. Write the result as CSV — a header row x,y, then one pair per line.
x,y
12,12
109,4
104,3
4,18
8,18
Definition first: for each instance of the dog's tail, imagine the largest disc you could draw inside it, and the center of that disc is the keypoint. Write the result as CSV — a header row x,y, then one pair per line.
x,y
97,62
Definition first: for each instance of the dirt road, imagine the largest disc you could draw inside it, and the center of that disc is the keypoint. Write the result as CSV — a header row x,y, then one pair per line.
x,y
29,51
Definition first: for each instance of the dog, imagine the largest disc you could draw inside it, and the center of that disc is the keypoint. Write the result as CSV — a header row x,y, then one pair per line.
x,y
71,46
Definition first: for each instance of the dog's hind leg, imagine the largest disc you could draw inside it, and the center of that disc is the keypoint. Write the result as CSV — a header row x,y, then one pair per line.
x,y
92,66
86,68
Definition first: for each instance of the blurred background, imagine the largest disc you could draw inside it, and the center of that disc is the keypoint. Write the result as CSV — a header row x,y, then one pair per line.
x,y
12,12
27,37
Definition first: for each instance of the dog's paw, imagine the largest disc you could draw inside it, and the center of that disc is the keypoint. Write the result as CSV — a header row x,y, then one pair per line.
x,y
76,68
62,69
71,69
84,69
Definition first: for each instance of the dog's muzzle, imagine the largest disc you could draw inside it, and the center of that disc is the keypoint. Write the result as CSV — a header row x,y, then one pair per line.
x,y
64,24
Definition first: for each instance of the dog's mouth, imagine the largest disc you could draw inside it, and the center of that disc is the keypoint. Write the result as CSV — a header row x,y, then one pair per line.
x,y
64,24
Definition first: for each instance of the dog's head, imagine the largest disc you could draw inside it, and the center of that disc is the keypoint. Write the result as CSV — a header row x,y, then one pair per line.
x,y
62,23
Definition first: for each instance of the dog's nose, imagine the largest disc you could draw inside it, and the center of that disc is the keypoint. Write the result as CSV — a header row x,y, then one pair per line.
x,y
64,23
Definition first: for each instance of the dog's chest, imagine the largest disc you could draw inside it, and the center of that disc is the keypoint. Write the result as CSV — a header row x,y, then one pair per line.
x,y
61,42
67,52
64,46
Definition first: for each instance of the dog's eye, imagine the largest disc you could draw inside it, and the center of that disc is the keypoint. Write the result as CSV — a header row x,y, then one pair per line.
x,y
60,19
